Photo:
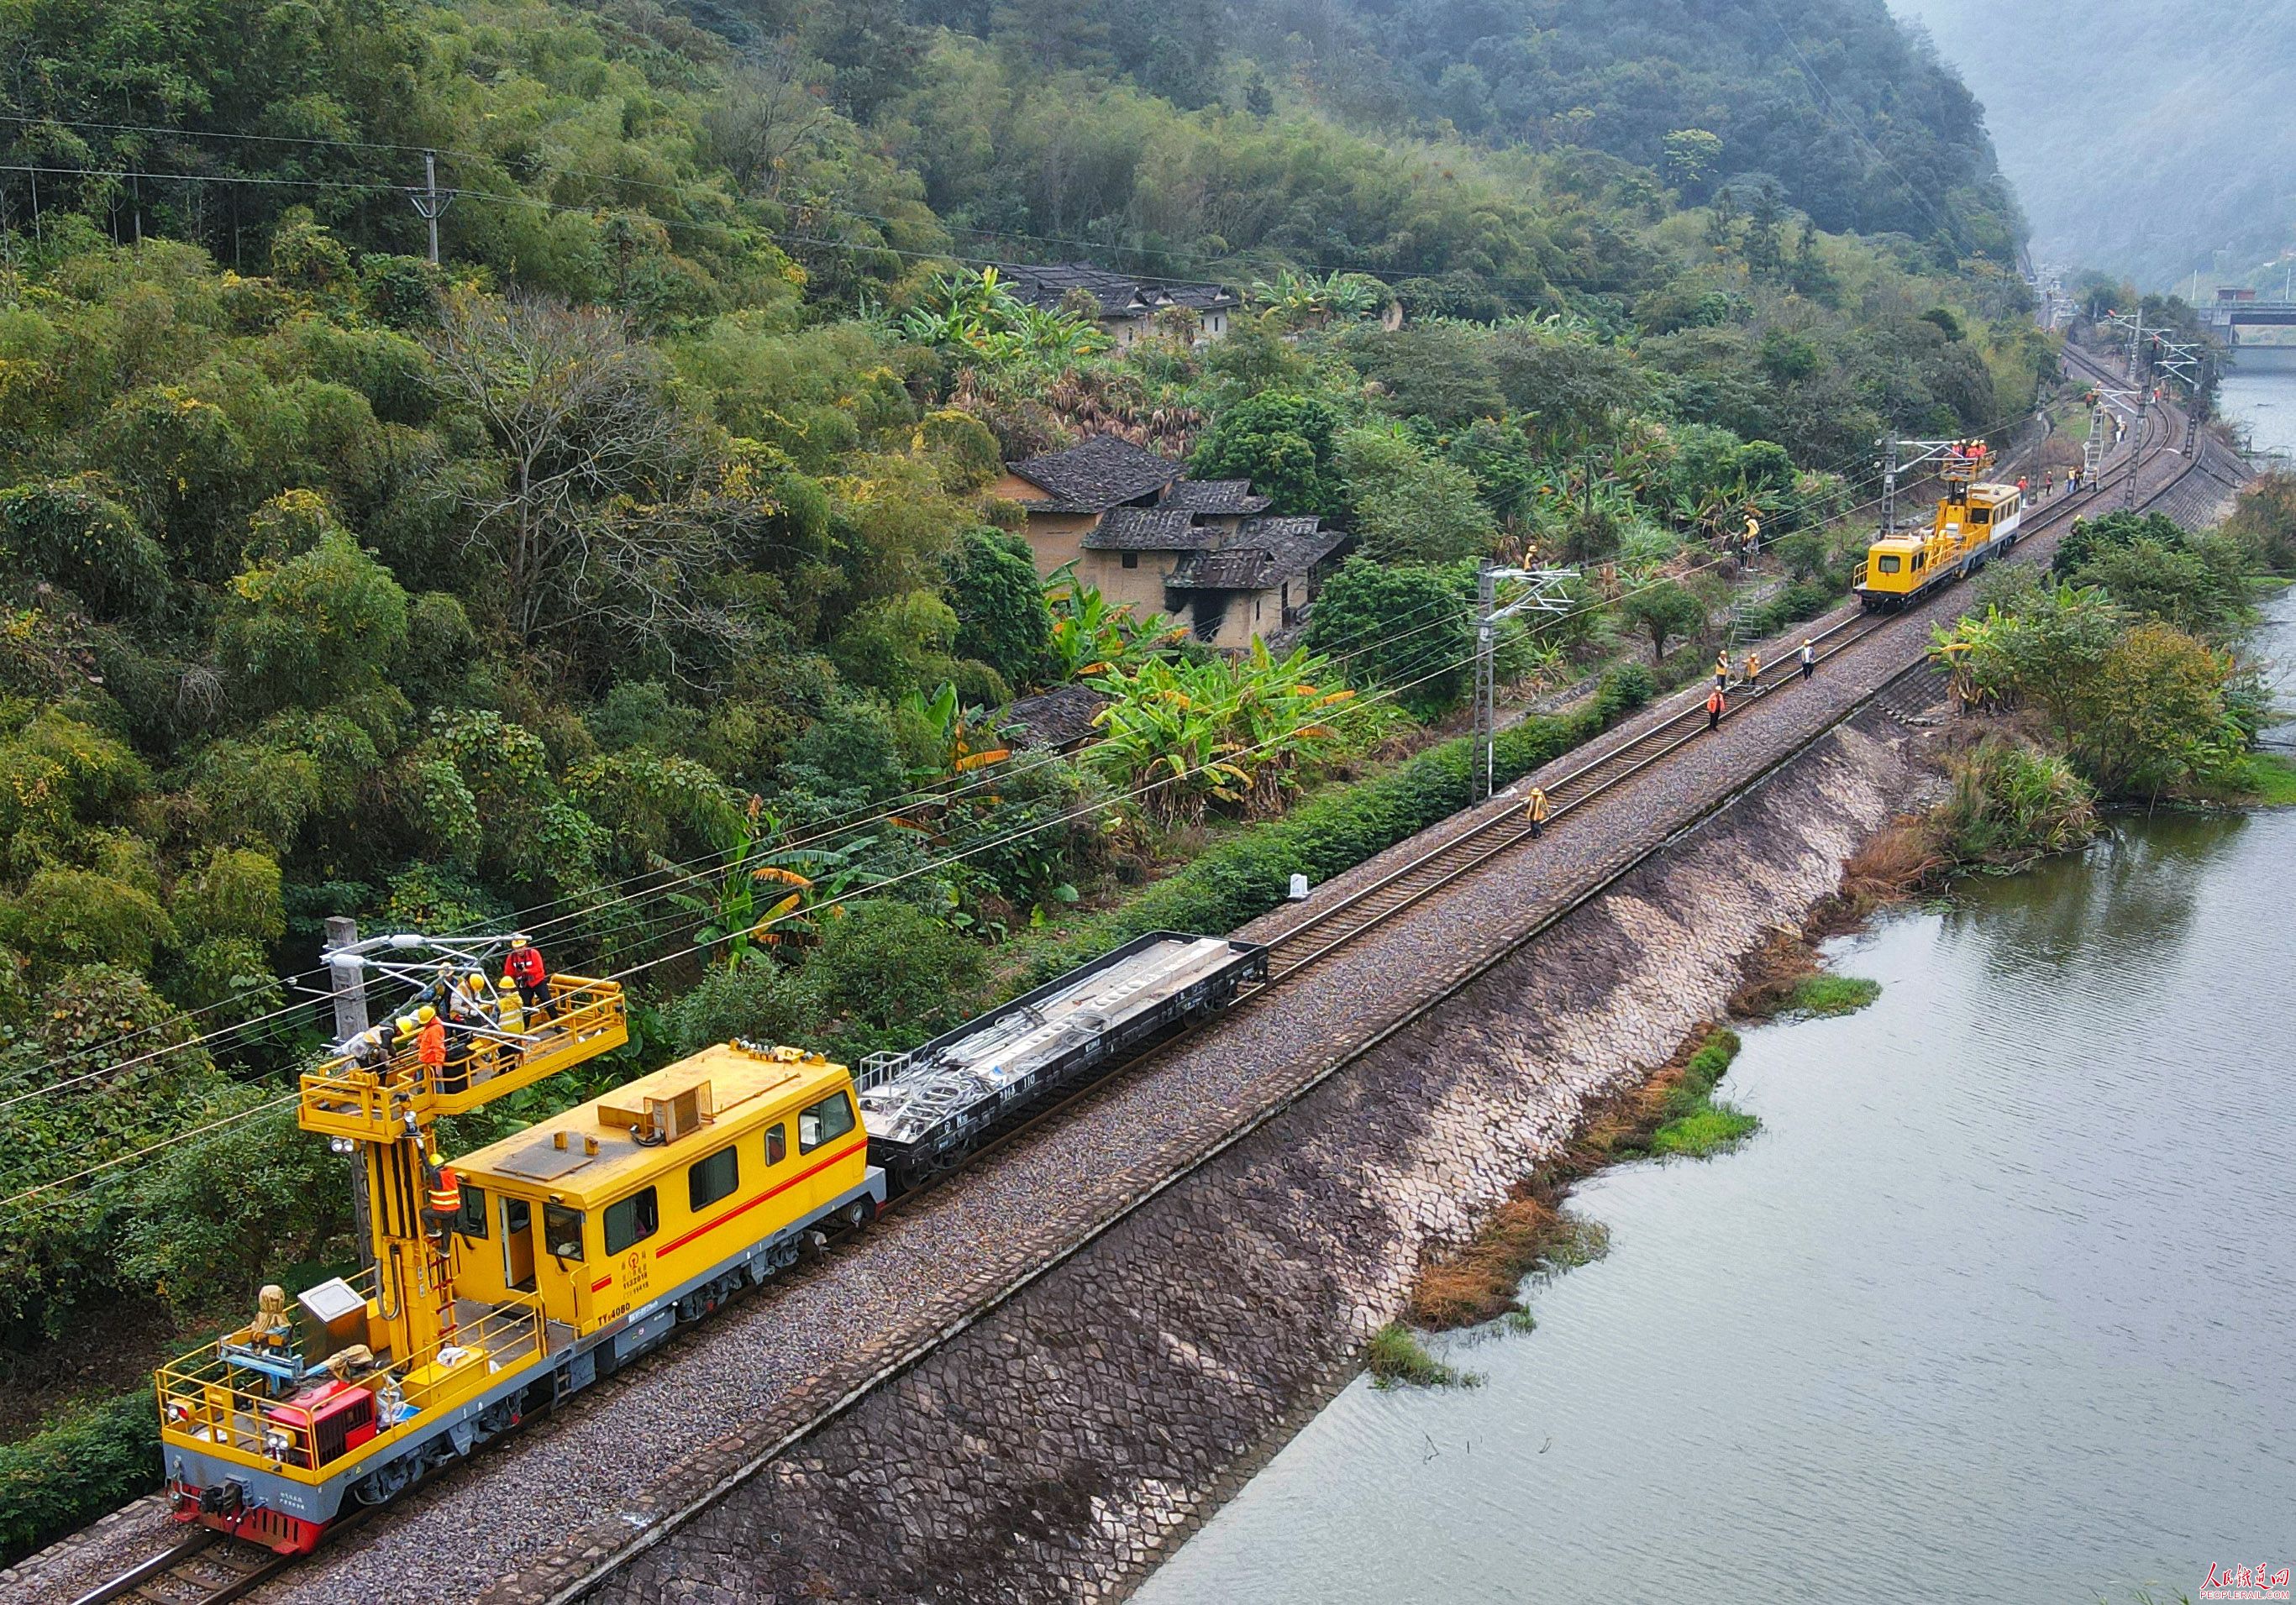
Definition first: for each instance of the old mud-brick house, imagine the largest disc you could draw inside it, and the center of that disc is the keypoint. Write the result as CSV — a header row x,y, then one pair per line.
x,y
1125,304
1207,551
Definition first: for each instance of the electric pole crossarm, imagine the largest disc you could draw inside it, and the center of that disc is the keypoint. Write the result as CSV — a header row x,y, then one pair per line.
x,y
430,202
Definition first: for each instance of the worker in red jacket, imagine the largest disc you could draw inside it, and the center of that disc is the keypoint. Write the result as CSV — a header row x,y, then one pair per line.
x,y
524,966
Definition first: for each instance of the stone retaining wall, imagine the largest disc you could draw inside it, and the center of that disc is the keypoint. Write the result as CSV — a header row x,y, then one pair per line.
x,y
1067,1441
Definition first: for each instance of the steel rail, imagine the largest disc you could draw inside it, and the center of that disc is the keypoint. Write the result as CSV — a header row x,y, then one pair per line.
x,y
174,1575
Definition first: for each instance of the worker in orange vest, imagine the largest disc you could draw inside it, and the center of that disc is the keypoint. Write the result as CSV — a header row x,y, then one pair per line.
x,y
524,966
1715,705
431,1045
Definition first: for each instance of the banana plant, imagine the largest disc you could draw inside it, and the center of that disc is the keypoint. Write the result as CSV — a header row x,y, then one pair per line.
x,y
768,896
977,315
1090,634
950,733
1233,733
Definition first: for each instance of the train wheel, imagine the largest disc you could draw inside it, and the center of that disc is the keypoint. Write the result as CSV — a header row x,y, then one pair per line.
x,y
387,1483
861,1212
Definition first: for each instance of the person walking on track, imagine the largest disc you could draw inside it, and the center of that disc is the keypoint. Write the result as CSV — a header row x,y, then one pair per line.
x,y
1715,703
1754,672
1533,808
1808,657
1721,669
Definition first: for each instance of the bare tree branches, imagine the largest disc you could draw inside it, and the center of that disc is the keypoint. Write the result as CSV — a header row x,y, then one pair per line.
x,y
606,513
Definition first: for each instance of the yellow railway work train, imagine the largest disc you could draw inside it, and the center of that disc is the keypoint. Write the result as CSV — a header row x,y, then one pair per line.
x,y
1974,521
503,1282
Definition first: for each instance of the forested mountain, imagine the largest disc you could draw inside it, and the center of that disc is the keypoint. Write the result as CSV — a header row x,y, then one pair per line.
x,y
2151,142
636,562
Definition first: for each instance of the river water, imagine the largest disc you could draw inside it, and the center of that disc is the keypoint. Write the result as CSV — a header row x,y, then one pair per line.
x,y
1996,1307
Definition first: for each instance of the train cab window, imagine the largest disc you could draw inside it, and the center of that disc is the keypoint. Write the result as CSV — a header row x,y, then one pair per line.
x,y
471,1220
1920,560
1891,564
712,1178
776,1143
1980,515
561,1232
631,1220
825,1122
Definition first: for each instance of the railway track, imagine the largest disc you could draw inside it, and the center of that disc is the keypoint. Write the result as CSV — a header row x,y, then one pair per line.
x,y
207,1570
1329,929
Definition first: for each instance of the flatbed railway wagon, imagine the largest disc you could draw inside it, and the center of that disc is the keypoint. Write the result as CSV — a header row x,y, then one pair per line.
x,y
928,1108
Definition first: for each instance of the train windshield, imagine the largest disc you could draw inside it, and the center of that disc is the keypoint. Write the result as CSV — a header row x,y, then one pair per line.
x,y
1891,565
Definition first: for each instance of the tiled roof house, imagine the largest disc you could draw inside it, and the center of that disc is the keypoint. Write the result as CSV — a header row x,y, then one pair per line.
x,y
1128,303
1205,551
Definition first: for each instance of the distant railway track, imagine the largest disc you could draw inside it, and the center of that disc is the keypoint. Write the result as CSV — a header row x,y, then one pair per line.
x,y
1363,910
209,1569
1332,928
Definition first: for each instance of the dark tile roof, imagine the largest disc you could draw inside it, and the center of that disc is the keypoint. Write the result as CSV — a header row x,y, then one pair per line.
x,y
1105,471
1060,718
1220,498
1150,530
1283,527
1265,552
1120,294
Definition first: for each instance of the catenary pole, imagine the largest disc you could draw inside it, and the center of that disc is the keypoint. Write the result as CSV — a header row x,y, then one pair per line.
x,y
349,972
1484,764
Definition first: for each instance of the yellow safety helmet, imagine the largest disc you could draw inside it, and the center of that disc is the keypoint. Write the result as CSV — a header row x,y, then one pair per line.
x,y
478,978
507,985
425,1015
406,1024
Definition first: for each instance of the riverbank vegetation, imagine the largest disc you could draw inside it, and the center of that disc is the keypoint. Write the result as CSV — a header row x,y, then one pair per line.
x,y
1396,1356
631,571
1672,1113
2121,658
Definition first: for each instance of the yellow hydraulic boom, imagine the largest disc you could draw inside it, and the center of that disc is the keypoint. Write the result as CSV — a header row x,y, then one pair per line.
x,y
386,1112
250,1405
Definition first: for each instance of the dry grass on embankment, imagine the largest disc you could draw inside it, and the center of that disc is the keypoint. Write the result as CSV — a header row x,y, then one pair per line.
x,y
1671,1112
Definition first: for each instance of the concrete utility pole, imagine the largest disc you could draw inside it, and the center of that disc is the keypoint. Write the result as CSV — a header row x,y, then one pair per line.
x,y
2136,450
1486,762
349,972
429,203
1890,483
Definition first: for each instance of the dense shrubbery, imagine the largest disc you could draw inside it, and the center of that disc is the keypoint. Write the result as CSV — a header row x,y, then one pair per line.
x,y
92,1459
1242,878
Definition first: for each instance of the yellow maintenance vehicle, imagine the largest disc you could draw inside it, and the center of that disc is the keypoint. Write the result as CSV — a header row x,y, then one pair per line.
x,y
1974,521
